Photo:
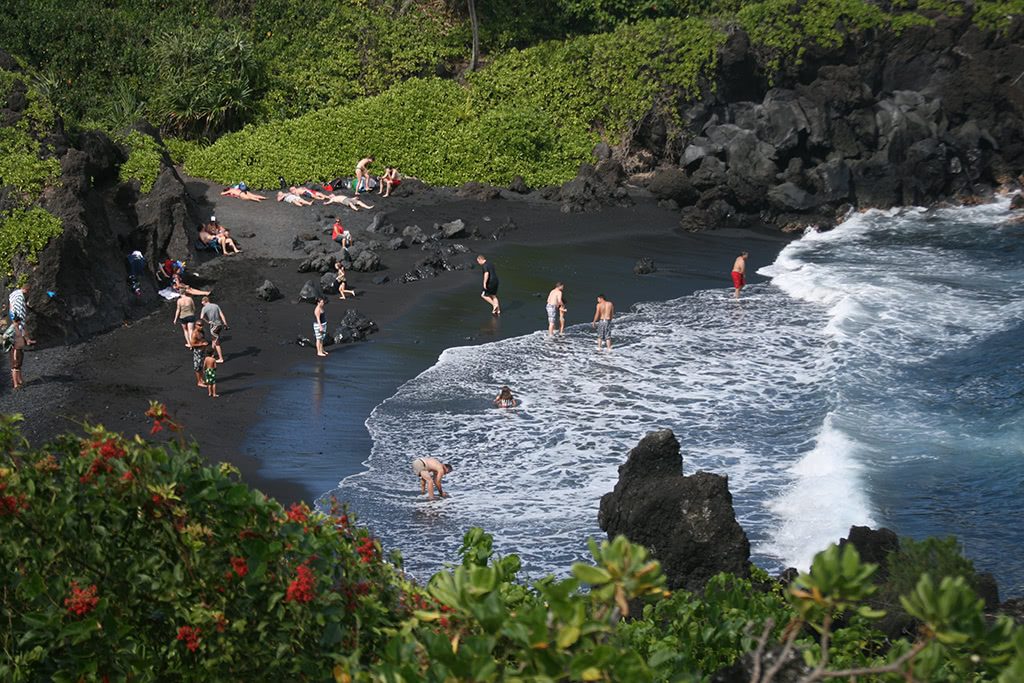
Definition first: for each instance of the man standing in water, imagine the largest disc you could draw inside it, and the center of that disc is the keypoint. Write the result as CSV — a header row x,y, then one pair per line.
x,y
603,315
739,271
554,306
490,283
430,472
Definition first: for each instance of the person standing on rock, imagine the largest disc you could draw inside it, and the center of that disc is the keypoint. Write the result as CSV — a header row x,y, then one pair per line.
x,y
430,471
216,322
603,315
490,284
739,273
554,307
320,326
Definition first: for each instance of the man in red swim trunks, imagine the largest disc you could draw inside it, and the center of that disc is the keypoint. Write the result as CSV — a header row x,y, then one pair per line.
x,y
739,271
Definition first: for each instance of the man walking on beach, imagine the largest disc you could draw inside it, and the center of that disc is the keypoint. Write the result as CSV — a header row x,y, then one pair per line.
x,y
603,315
490,283
216,322
739,271
554,306
430,472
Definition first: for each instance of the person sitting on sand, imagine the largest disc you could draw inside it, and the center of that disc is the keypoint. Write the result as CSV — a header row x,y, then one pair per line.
x,y
307,193
388,181
505,399
209,236
292,198
210,374
354,203
227,244
241,191
340,235
431,471
363,174
320,326
198,352
342,281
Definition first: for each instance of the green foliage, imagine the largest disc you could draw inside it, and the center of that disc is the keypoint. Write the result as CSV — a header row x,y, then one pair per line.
x,y
939,557
144,158
129,559
124,558
25,232
533,113
181,149
997,14
703,634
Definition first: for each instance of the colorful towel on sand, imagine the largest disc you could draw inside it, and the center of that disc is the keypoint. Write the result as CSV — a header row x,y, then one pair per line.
x,y
169,293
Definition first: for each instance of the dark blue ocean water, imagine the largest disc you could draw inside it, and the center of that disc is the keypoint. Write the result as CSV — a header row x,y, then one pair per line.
x,y
874,380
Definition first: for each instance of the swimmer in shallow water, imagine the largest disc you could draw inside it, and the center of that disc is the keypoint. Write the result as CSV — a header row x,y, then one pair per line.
x,y
504,399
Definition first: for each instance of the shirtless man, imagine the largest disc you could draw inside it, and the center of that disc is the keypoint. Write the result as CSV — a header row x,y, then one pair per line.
x,y
603,315
739,270
430,472
554,306
490,284
363,174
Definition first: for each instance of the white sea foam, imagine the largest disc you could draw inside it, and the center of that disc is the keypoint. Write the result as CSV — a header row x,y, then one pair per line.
x,y
803,393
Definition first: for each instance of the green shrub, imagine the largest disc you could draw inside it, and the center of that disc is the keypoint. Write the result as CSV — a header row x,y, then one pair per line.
x,y
25,232
535,113
181,149
129,559
939,557
997,14
144,158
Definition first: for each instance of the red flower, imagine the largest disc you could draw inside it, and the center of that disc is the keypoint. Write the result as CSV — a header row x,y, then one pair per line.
x,y
158,412
302,588
10,504
367,550
105,451
298,513
240,566
127,476
82,600
190,636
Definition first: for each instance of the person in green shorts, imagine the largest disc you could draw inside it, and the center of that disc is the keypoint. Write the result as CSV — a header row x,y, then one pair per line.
x,y
210,373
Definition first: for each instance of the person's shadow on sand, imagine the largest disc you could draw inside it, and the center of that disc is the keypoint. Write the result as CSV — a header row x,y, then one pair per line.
x,y
247,351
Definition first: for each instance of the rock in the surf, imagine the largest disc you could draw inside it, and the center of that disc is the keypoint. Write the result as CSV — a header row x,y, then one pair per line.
x,y
687,522
645,266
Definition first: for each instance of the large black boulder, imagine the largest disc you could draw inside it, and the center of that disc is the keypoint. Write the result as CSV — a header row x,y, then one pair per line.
x,y
354,326
268,291
687,522
672,183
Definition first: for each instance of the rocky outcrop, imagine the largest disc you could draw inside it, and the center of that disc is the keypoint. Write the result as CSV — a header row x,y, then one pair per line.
x,y
104,220
933,113
687,522
354,326
268,291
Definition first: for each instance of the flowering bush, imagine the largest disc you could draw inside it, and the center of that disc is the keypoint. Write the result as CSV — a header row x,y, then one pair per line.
x,y
123,559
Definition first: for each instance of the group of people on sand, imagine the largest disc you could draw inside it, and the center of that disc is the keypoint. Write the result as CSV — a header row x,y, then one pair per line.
x,y
430,471
216,237
306,195
207,354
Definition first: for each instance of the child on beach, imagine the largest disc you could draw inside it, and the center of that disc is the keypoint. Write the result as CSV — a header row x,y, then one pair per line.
x,y
210,373
505,399
342,281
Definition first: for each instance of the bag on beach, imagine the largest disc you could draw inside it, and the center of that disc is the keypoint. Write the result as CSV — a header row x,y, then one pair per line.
x,y
7,341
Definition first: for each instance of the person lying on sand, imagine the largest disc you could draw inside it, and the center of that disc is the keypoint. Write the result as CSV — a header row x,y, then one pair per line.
x,y
430,471
241,191
181,288
307,193
292,198
354,203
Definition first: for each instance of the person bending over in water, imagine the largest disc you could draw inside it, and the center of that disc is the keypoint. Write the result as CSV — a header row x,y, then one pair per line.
x,y
505,399
430,472
292,198
603,321
739,272
241,191
354,203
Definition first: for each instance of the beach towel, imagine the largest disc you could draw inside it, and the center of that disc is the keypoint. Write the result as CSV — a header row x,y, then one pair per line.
x,y
169,293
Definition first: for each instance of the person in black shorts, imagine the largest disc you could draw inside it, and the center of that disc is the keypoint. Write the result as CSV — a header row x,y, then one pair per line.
x,y
490,283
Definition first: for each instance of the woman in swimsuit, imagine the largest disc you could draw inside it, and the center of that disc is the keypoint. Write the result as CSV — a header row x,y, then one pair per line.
x,y
241,191
505,399
342,282
185,315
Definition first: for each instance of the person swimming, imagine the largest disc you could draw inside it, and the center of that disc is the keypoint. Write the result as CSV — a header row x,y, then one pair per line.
x,y
505,399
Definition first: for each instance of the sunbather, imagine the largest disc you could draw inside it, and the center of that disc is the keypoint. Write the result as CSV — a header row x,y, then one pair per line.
x,y
241,191
307,193
354,203
292,198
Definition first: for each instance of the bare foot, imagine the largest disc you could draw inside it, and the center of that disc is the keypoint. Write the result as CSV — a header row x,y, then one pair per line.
x,y
221,360
201,385
321,354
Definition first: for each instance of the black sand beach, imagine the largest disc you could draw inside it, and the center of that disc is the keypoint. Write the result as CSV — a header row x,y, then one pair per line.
x,y
270,421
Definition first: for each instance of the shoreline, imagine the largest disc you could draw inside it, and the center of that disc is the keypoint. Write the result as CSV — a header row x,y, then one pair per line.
x,y
109,378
